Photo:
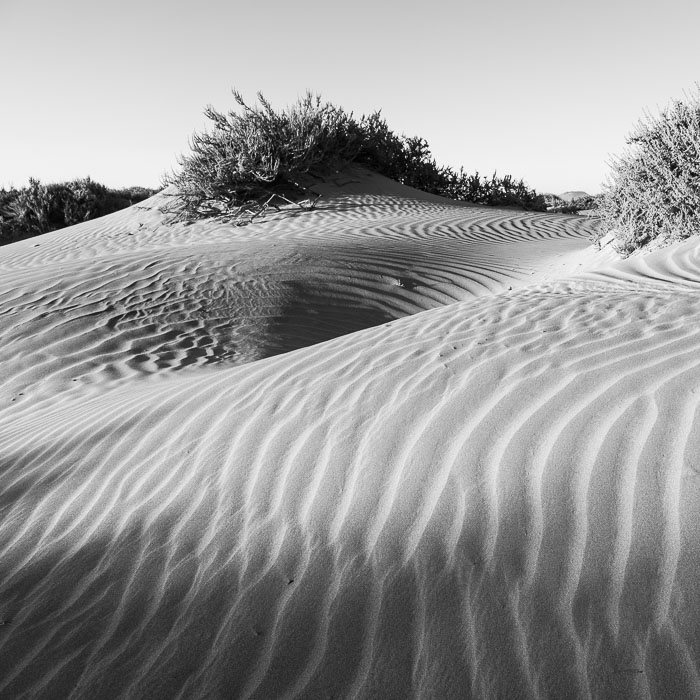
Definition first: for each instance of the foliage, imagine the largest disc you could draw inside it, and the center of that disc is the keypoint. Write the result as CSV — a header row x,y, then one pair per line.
x,y
39,208
553,200
496,191
253,157
587,203
249,157
654,191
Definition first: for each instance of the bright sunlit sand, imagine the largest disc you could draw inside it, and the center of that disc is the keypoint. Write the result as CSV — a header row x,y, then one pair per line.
x,y
392,447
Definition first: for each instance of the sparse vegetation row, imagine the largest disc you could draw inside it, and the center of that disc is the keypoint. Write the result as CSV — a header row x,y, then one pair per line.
x,y
256,154
40,208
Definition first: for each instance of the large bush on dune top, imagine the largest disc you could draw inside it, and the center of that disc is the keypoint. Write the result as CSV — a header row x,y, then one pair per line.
x,y
252,157
654,189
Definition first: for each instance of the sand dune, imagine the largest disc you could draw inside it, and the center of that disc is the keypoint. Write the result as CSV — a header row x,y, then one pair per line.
x,y
393,447
89,304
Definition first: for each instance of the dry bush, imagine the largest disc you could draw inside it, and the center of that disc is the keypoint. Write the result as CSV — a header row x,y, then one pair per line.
x,y
654,190
39,208
249,158
255,157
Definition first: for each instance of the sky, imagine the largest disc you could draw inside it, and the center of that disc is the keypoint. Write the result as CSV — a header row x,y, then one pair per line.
x,y
544,90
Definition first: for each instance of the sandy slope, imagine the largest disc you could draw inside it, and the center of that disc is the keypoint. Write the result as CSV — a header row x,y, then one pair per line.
x,y
482,483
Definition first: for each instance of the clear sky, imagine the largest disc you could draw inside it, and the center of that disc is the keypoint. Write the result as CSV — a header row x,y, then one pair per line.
x,y
545,90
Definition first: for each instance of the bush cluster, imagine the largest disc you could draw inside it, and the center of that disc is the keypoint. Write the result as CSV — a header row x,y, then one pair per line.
x,y
557,205
654,188
40,208
494,191
253,156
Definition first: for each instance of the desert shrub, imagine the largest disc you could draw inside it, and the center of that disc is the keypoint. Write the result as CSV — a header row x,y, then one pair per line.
x,y
406,159
39,208
81,200
494,191
553,200
35,209
559,206
654,188
252,156
7,197
31,208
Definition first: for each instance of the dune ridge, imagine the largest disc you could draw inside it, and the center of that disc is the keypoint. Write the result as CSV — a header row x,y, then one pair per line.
x,y
481,483
210,293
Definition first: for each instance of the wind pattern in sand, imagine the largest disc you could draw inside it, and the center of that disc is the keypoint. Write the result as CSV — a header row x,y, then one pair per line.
x,y
390,448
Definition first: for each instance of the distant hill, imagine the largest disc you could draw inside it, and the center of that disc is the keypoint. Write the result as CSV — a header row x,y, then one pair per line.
x,y
570,196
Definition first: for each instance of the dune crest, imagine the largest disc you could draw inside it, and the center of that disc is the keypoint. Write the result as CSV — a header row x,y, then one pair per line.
x,y
388,448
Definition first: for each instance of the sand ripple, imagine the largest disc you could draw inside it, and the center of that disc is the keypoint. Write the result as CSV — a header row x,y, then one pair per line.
x,y
495,494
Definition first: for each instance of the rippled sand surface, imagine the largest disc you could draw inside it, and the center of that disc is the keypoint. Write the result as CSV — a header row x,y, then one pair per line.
x,y
394,447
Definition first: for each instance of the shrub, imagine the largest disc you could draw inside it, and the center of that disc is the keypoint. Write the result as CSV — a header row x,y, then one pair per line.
x,y
407,160
559,206
38,208
253,156
496,191
654,190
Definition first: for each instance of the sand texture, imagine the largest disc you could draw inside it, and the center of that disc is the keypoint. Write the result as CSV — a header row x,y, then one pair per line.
x,y
394,447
